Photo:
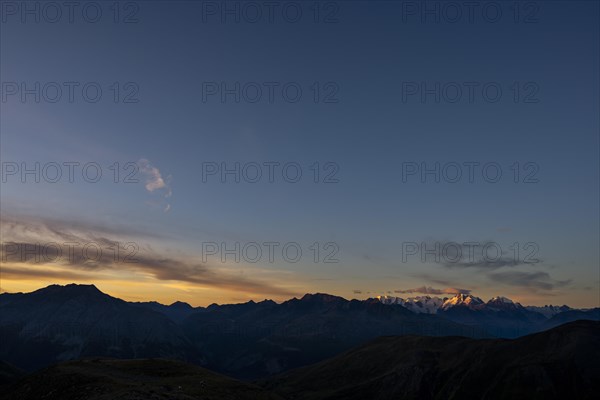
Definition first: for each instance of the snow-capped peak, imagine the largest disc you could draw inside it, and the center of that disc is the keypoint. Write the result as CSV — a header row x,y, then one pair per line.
x,y
500,299
499,303
549,310
390,299
461,299
417,304
434,305
423,304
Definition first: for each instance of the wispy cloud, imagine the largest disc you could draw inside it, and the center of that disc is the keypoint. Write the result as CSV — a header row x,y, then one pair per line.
x,y
29,248
433,279
483,255
485,264
16,273
533,280
17,227
154,181
430,290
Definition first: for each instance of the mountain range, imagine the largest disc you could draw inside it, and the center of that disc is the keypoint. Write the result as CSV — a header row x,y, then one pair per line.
x,y
434,305
251,340
500,316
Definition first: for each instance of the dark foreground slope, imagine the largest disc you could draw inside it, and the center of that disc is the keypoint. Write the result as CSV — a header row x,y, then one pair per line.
x,y
556,364
154,379
9,373
560,363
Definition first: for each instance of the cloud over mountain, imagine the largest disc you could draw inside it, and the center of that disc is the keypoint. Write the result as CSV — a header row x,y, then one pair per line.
x,y
430,290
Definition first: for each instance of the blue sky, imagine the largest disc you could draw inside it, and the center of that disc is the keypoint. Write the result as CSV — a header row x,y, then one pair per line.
x,y
366,123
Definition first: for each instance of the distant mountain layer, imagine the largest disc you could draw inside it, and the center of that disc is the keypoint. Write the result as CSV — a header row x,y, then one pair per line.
x,y
434,305
154,379
250,340
500,316
558,364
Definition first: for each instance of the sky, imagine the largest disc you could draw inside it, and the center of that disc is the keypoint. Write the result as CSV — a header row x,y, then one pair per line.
x,y
209,151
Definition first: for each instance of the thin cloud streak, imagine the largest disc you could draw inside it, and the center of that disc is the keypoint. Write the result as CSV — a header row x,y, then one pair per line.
x,y
430,290
33,253
531,280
